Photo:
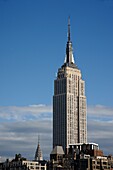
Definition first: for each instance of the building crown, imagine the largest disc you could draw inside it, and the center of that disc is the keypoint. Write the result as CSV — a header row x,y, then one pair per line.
x,y
69,59
38,153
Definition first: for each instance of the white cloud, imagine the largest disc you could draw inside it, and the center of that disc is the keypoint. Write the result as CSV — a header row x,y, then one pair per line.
x,y
100,110
22,113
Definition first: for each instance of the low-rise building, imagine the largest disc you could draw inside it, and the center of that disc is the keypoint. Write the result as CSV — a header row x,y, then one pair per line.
x,y
81,157
20,163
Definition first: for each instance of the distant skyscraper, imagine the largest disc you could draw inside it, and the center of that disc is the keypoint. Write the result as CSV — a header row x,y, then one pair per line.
x,y
38,153
69,102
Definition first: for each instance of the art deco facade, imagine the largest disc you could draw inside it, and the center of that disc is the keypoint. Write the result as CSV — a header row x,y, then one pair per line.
x,y
69,103
38,153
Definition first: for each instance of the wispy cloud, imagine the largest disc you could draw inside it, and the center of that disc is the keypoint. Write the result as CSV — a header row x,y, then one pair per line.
x,y
100,113
20,127
22,113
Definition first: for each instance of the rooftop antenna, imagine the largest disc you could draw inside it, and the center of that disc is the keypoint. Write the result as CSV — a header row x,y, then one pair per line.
x,y
68,28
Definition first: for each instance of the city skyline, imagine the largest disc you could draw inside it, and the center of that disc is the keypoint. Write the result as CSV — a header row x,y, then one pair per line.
x,y
32,47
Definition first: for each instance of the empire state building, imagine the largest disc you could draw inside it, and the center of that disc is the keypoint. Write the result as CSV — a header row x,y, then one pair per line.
x,y
69,103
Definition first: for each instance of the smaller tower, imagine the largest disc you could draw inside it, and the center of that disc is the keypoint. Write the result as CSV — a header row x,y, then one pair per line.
x,y
38,153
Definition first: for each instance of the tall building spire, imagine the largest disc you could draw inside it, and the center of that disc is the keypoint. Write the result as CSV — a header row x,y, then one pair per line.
x,y
68,29
38,153
69,59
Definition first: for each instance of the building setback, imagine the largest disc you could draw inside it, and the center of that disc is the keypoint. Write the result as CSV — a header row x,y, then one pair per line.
x,y
69,103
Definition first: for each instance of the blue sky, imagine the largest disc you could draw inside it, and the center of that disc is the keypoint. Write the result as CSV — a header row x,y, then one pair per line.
x,y
33,35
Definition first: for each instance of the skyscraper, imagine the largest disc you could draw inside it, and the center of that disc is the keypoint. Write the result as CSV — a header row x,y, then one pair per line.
x,y
69,102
